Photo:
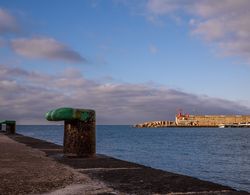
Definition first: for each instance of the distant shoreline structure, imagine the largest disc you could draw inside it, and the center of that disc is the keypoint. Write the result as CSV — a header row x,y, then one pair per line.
x,y
186,120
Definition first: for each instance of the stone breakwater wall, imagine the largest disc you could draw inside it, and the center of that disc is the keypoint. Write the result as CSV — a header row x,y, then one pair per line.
x,y
198,121
211,120
155,124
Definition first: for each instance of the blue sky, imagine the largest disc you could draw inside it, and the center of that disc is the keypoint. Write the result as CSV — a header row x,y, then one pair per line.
x,y
157,54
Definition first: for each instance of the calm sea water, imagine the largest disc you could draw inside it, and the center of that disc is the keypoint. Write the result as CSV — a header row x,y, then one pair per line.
x,y
213,154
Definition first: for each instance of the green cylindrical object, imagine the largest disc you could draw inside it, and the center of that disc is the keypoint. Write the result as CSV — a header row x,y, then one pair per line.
x,y
63,114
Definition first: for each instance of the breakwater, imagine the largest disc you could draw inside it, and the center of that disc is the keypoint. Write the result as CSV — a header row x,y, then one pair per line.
x,y
210,120
156,124
186,120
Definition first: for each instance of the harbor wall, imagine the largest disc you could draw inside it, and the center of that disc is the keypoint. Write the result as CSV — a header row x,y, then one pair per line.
x,y
198,121
211,120
153,124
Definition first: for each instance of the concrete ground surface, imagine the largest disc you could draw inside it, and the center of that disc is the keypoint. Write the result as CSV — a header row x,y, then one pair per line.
x,y
33,166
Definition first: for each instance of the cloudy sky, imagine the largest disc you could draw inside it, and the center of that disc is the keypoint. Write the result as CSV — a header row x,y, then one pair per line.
x,y
131,61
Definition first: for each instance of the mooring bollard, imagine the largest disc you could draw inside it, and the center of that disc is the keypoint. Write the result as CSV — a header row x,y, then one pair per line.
x,y
10,126
79,130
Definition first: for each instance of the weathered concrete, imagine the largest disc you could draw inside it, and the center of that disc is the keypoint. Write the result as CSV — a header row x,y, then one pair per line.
x,y
101,174
25,170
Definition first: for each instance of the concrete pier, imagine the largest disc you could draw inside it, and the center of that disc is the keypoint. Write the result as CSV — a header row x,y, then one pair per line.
x,y
33,166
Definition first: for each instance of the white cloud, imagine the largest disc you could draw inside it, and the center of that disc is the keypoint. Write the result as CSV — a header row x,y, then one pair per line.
x,y
34,48
25,96
225,22
45,48
8,23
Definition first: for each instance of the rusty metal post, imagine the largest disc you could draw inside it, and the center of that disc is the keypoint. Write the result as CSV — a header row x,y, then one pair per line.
x,y
11,127
79,137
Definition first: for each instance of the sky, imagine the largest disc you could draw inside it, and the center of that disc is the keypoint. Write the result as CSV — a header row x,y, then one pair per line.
x,y
131,61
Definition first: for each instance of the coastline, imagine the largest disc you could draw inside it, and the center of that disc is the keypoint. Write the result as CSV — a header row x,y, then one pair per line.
x,y
97,175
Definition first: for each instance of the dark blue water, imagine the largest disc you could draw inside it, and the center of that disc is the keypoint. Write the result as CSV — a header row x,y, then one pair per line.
x,y
213,154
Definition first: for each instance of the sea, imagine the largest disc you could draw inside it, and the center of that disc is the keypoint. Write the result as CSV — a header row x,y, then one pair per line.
x,y
220,155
